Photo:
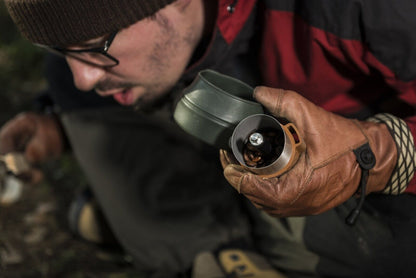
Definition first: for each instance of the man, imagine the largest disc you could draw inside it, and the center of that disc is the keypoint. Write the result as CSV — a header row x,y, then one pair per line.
x,y
161,191
351,58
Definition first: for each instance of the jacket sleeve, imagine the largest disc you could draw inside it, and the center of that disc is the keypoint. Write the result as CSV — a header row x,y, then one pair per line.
x,y
389,34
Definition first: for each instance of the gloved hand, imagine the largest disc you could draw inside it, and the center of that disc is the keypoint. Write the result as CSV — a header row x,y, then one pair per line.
x,y
327,173
39,137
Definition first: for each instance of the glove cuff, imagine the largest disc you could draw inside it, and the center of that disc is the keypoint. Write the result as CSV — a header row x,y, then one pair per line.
x,y
406,164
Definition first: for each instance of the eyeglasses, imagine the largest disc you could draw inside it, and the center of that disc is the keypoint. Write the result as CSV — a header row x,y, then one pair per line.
x,y
96,56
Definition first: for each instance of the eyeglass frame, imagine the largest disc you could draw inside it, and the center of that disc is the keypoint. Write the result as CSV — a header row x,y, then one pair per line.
x,y
103,50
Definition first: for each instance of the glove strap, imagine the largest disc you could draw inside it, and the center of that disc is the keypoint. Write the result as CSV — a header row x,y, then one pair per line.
x,y
366,159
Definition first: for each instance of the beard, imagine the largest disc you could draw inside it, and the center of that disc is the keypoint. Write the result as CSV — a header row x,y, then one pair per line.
x,y
149,104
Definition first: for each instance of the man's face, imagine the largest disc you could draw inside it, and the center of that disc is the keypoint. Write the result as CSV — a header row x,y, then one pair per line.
x,y
152,54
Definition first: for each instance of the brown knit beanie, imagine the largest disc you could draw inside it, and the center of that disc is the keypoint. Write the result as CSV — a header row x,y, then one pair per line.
x,y
66,22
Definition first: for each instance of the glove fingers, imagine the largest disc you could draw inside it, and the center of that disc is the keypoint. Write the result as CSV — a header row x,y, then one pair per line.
x,y
270,98
261,193
227,158
235,175
316,126
247,183
289,105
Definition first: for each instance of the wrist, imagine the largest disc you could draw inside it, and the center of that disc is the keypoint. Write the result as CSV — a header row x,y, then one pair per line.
x,y
395,153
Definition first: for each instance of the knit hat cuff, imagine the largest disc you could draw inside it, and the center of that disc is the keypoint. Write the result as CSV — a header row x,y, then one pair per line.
x,y
66,22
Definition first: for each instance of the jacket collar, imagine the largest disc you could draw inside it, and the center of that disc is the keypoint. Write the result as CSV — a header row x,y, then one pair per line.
x,y
228,47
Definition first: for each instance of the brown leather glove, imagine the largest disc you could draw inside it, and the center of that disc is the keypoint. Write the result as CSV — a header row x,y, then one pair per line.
x,y
39,137
327,173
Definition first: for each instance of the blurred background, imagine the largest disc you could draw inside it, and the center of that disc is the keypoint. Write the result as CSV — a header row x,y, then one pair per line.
x,y
34,237
21,68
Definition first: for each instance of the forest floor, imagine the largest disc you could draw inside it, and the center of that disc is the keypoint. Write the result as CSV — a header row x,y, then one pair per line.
x,y
35,240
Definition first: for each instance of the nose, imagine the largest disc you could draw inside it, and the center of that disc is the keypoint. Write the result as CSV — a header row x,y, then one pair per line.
x,y
85,76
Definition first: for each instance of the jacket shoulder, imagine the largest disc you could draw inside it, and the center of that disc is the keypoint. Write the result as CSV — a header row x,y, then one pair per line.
x,y
385,27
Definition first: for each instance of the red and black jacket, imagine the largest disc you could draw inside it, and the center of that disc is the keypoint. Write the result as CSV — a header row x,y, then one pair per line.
x,y
347,56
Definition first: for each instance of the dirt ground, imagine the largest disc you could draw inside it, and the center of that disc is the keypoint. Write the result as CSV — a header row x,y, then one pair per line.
x,y
35,240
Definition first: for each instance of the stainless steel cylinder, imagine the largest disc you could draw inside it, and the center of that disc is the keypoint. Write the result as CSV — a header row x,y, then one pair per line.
x,y
284,150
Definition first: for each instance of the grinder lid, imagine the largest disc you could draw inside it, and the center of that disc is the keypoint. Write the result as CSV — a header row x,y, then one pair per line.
x,y
213,105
